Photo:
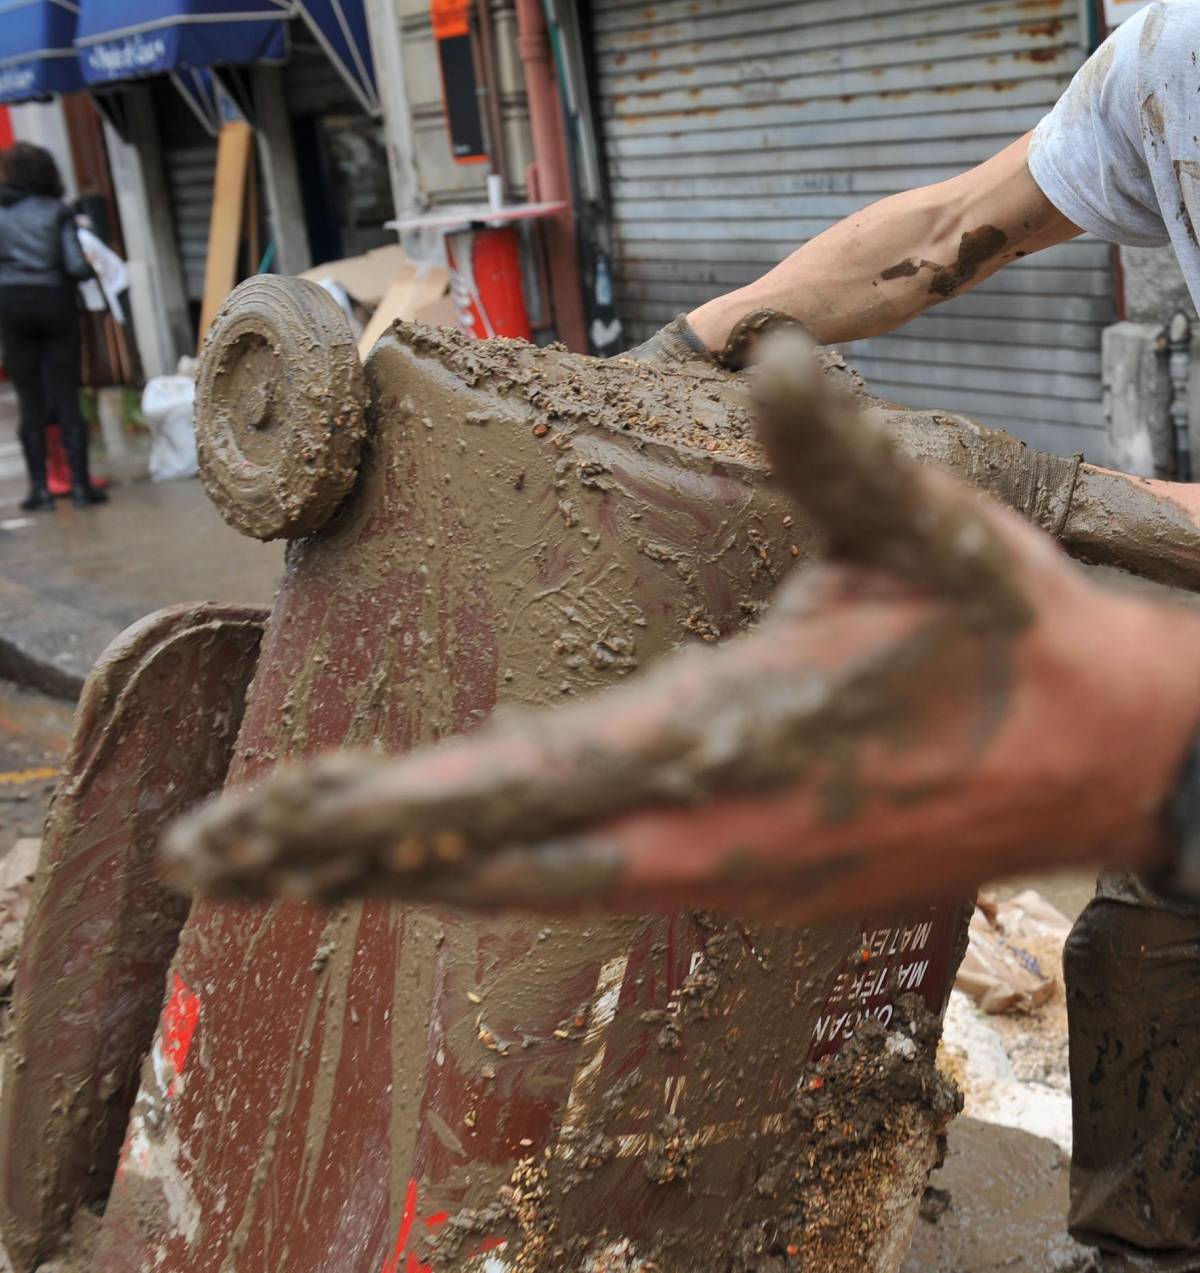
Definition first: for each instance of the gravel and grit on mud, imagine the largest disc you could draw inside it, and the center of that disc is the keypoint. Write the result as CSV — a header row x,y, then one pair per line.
x,y
855,1118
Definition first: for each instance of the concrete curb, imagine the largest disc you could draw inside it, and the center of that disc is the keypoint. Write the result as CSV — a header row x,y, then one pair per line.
x,y
27,670
48,646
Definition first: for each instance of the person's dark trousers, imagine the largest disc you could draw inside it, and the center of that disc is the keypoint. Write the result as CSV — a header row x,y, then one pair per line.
x,y
1132,972
39,329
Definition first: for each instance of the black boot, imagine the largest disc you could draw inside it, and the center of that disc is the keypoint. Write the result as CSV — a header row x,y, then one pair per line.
x,y
38,500
86,496
75,442
32,434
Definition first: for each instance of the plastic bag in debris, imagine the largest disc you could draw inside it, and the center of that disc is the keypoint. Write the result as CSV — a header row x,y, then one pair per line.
x,y
1014,955
167,403
345,303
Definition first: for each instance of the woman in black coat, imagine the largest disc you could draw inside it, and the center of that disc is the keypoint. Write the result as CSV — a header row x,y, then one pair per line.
x,y
41,263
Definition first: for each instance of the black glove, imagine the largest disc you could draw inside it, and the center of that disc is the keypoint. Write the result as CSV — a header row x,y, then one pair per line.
x,y
672,346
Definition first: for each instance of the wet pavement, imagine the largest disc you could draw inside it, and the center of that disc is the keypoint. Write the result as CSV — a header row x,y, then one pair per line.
x,y
34,732
72,579
1001,1205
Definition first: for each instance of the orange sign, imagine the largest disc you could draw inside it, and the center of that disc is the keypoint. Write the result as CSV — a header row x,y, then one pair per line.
x,y
451,18
460,89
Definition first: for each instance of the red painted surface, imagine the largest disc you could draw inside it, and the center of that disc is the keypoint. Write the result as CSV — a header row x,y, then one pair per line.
x,y
393,1263
486,284
915,955
180,1018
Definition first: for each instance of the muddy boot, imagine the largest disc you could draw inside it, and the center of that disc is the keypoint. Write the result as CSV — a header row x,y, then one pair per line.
x,y
1132,966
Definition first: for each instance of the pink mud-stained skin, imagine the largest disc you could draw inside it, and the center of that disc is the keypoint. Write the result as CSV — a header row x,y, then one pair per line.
x,y
360,1080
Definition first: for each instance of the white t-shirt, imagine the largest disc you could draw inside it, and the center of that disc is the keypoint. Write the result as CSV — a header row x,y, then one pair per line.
x,y
1120,153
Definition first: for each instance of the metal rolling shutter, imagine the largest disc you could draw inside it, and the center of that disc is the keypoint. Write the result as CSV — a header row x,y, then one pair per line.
x,y
737,129
189,158
190,172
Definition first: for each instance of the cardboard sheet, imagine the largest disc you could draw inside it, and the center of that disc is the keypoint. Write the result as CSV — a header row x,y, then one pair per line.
x,y
368,277
440,313
404,299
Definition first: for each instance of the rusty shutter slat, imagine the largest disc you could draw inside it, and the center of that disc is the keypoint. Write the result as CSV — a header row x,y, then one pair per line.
x,y
736,129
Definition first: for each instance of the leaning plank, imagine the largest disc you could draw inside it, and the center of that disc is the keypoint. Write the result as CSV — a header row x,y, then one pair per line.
x,y
225,229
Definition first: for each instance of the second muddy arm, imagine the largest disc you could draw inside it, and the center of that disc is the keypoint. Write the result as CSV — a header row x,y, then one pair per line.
x,y
1142,525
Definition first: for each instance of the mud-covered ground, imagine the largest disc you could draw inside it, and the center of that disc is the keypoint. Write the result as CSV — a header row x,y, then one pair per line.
x,y
1000,1201
34,731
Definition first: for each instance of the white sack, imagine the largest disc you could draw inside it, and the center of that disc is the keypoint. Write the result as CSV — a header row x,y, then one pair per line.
x,y
167,403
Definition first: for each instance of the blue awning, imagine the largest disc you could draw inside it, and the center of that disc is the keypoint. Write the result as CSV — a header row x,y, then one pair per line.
x,y
199,89
341,28
37,56
61,46
125,39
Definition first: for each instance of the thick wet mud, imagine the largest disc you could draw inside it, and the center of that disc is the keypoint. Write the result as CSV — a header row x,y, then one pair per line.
x,y
279,409
998,1205
817,1203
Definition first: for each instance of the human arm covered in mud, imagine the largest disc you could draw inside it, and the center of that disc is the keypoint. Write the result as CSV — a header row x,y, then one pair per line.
x,y
882,267
943,699
1142,525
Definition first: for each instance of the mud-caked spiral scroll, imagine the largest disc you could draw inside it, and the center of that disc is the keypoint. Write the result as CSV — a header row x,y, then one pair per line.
x,y
280,408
